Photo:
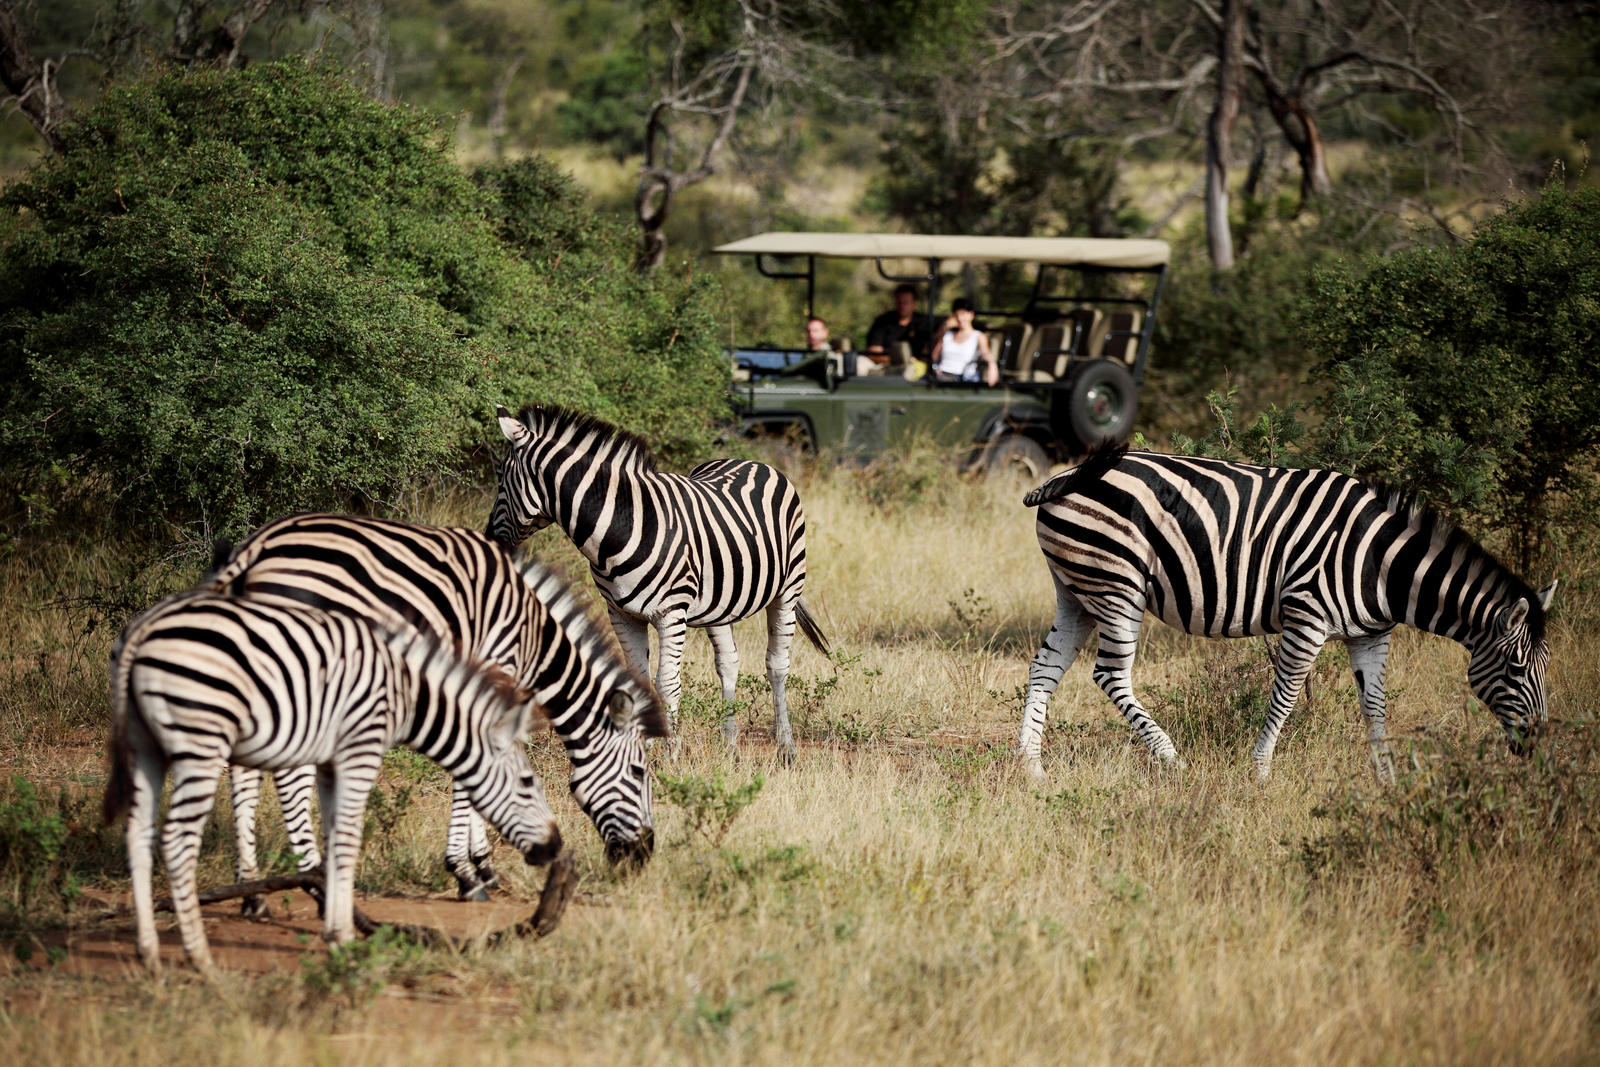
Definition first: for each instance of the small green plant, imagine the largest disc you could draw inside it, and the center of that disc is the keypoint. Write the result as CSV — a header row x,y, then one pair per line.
x,y
48,845
350,976
710,804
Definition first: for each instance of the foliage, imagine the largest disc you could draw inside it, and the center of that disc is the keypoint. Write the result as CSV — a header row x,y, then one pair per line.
x,y
606,104
240,294
1457,804
709,803
1470,368
351,976
48,845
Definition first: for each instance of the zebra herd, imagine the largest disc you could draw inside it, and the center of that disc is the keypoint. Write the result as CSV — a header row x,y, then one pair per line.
x,y
323,640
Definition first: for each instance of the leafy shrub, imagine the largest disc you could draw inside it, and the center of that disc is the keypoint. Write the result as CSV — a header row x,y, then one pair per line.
x,y
48,846
235,294
1455,803
709,804
1470,369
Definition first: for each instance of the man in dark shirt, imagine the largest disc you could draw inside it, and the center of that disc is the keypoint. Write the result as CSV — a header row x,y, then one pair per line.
x,y
902,324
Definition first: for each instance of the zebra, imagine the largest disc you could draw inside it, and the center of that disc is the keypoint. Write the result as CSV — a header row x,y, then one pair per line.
x,y
464,588
705,549
1233,550
203,680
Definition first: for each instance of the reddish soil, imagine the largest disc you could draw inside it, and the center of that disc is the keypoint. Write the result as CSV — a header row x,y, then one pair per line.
x,y
277,943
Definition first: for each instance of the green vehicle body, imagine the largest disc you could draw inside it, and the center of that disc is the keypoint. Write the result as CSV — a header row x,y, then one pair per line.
x,y
1070,372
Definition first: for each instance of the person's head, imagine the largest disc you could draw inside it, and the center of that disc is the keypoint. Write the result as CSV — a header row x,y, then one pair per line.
x,y
816,334
963,311
905,301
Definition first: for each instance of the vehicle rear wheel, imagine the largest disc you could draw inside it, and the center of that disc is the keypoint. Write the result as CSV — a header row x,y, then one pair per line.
x,y
1018,456
1101,403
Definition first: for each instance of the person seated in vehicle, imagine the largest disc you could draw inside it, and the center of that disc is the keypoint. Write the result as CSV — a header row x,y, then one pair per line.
x,y
959,351
817,337
901,325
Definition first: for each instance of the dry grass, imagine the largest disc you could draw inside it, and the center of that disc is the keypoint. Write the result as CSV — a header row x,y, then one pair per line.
x,y
905,894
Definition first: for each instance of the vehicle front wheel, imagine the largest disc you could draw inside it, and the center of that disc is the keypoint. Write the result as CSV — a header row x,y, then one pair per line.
x,y
1019,456
1102,403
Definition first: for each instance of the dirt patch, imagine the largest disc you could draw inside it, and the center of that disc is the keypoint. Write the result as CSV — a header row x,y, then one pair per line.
x,y
250,946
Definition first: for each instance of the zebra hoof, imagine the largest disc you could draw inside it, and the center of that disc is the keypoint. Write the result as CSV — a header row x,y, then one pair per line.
x,y
488,877
476,894
1034,766
253,907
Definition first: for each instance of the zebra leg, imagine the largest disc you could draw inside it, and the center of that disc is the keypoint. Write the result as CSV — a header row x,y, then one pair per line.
x,y
672,629
1113,673
634,637
780,632
1296,653
141,837
294,786
246,794
194,791
727,656
462,845
1369,662
1055,656
482,854
342,794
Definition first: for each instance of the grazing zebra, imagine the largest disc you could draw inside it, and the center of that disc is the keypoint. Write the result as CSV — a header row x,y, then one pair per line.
x,y
1233,550
201,681
705,549
463,588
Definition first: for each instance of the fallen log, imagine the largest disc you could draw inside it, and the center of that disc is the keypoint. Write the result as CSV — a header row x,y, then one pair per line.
x,y
559,884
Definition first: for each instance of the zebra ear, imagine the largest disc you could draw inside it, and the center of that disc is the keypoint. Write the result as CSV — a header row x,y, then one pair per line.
x,y
511,426
1547,594
512,726
1514,616
637,709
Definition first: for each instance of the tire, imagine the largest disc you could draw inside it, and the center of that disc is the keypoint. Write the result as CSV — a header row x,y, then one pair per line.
x,y
1019,456
1102,403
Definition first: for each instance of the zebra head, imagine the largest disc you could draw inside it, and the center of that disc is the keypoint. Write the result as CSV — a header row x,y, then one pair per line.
x,y
1507,669
606,712
520,510
481,725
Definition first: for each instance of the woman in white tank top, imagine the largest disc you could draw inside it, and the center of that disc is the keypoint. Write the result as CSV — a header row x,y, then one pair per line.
x,y
958,352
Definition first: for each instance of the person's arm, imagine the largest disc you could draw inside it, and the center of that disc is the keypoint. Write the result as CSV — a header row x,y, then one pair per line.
x,y
875,337
938,346
991,370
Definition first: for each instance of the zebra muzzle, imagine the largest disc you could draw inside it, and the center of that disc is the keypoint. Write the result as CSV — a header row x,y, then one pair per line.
x,y
632,853
542,853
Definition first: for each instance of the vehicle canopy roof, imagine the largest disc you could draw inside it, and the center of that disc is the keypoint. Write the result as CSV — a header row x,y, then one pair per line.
x,y
1103,252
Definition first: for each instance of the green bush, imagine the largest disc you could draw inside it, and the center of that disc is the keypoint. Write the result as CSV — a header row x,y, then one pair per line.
x,y
1468,371
236,294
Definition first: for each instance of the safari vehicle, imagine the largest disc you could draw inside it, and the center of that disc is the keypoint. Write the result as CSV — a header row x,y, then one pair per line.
x,y
1070,363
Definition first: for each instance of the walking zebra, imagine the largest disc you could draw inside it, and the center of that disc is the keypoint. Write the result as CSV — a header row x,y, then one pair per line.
x,y
705,549
201,681
1233,550
464,588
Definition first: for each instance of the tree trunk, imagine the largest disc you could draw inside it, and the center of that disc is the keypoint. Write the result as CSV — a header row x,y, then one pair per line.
x,y
497,113
31,83
1299,128
1219,133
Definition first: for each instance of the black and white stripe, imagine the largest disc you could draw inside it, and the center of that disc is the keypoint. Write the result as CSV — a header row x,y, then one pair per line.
x,y
1233,550
201,681
705,549
464,588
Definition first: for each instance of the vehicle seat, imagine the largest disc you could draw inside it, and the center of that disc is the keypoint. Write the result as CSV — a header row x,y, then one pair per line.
x,y
1006,344
1119,337
1050,354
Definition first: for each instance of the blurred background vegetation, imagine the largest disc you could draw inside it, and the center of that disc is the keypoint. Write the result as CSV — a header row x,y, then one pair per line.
x,y
269,254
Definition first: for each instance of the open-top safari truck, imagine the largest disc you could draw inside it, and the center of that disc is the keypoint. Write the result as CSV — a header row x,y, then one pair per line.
x,y
1071,358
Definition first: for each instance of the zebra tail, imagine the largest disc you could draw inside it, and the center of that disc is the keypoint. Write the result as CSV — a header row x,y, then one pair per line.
x,y
1094,467
809,627
119,789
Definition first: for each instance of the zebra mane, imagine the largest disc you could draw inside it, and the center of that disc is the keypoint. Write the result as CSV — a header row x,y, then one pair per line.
x,y
1439,530
1091,470
451,660
552,589
631,452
